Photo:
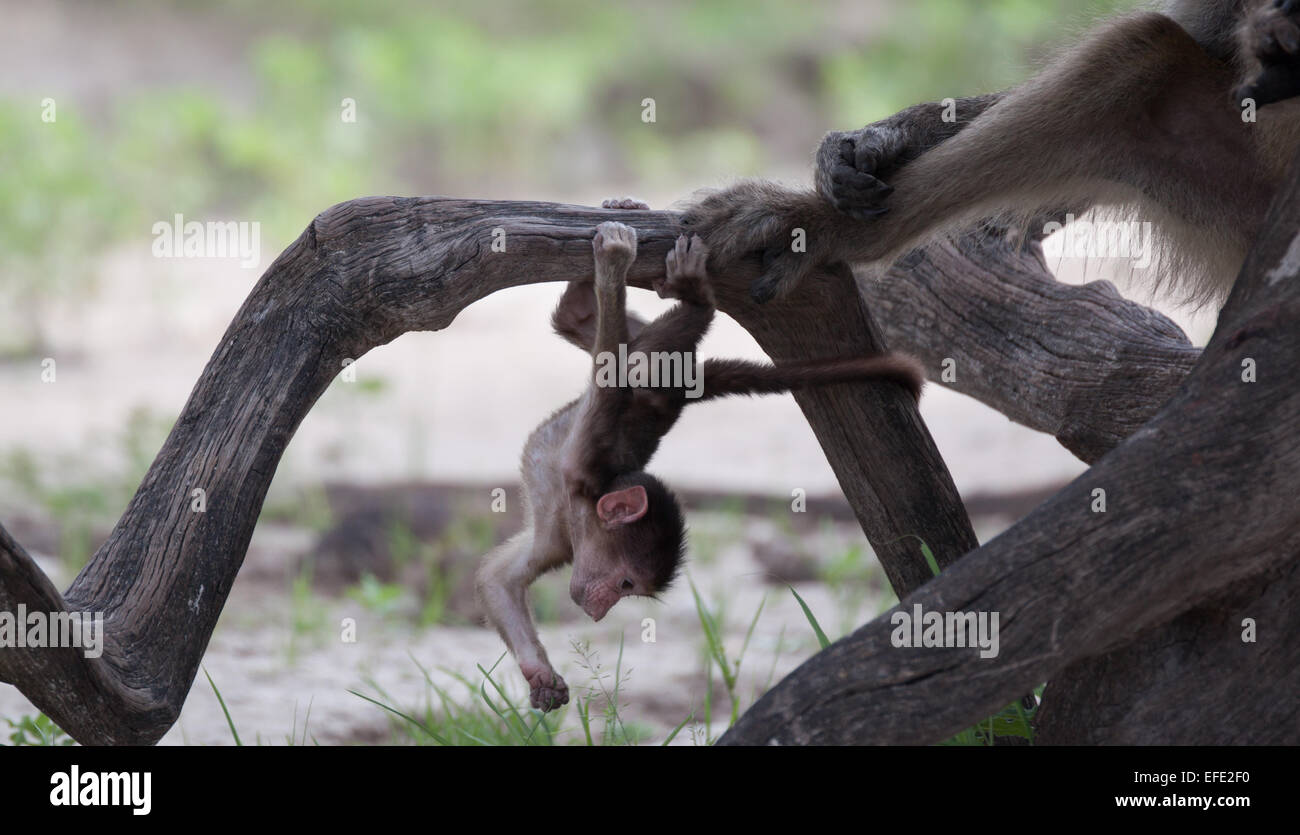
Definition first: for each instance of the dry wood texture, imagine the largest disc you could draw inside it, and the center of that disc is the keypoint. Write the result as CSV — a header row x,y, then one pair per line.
x,y
362,274
1200,505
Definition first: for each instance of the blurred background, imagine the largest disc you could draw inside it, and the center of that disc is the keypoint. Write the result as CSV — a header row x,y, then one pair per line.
x,y
115,116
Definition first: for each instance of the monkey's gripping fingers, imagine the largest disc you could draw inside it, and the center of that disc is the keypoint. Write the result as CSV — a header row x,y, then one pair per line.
x,y
1273,38
624,203
686,276
615,248
546,690
850,166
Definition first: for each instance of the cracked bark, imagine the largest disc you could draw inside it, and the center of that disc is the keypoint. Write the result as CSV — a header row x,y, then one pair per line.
x,y
363,273
1086,598
1136,615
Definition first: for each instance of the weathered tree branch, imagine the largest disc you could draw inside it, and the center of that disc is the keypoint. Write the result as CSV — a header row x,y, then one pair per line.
x,y
992,306
1201,510
1081,363
363,273
1194,680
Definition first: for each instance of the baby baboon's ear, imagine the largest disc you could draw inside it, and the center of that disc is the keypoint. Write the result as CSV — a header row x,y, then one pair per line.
x,y
622,507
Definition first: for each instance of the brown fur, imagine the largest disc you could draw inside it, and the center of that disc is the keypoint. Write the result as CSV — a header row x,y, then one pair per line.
x,y
1140,116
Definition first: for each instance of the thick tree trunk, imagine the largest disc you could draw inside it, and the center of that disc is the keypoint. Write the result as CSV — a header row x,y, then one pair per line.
x,y
1137,614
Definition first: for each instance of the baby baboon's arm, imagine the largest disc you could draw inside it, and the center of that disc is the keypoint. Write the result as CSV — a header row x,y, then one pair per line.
x,y
615,250
574,318
595,450
679,329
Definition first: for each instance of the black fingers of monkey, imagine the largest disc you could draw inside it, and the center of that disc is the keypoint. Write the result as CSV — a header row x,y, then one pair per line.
x,y
1274,83
1274,35
850,168
1274,39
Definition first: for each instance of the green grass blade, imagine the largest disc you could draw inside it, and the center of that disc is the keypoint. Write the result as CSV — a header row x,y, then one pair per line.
x,y
713,639
677,730
821,636
224,710
306,721
925,551
511,716
750,632
929,557
584,715
416,722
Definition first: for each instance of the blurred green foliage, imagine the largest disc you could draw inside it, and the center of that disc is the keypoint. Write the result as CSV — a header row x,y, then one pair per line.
x,y
38,730
484,97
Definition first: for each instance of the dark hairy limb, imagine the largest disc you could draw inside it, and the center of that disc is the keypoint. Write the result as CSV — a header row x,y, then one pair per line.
x,y
683,326
1137,113
574,319
854,167
592,454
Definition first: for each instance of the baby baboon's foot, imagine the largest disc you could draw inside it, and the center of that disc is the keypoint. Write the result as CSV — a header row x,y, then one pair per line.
x,y
624,203
686,275
546,690
1273,38
615,249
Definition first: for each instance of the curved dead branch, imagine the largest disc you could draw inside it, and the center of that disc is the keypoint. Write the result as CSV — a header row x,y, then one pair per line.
x,y
363,273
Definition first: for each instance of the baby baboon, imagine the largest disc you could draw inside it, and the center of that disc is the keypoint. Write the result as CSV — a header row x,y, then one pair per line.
x,y
588,499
